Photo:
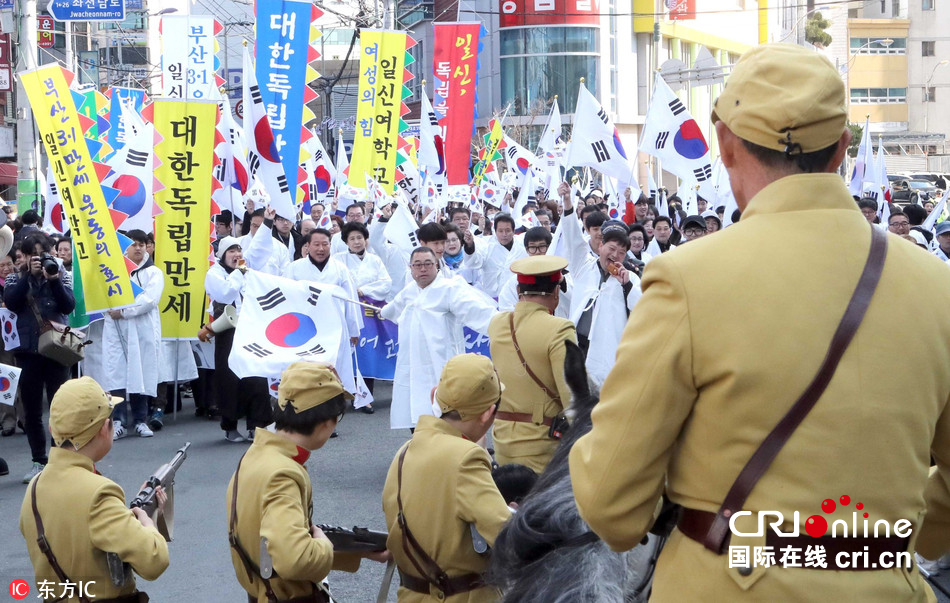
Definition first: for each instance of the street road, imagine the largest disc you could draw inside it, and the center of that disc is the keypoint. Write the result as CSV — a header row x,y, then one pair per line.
x,y
348,475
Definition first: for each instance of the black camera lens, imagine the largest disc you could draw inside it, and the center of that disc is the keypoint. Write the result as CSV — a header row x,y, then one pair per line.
x,y
49,264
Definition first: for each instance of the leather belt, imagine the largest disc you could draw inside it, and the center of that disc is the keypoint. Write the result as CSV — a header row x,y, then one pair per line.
x,y
453,586
521,417
316,597
695,524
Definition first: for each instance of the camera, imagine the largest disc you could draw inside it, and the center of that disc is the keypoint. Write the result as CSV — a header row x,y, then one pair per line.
x,y
49,264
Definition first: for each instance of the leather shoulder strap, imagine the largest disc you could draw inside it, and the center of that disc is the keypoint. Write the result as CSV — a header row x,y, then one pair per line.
x,y
44,544
246,560
514,340
760,461
424,564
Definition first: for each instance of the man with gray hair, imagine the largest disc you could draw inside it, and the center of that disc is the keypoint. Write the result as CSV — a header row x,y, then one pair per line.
x,y
701,405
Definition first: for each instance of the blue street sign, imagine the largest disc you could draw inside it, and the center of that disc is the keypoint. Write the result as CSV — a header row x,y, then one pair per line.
x,y
87,10
6,4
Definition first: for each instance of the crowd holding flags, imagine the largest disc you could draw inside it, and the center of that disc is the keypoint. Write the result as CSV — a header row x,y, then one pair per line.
x,y
166,165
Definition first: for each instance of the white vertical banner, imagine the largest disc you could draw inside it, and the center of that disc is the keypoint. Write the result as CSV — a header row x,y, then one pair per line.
x,y
188,57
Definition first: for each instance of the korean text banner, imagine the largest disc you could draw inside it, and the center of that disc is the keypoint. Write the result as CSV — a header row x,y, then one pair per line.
x,y
455,61
188,57
283,51
103,268
183,230
379,108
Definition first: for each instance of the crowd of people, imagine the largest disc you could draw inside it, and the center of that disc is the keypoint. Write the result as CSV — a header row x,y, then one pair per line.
x,y
712,350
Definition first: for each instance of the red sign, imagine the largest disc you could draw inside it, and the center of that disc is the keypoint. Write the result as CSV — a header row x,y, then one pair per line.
x,y
6,81
454,61
45,28
515,13
681,10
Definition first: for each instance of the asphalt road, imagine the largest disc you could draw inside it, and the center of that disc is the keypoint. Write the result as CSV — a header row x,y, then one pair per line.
x,y
348,476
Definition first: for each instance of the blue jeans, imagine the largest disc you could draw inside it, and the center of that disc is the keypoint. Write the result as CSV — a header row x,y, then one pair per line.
x,y
139,404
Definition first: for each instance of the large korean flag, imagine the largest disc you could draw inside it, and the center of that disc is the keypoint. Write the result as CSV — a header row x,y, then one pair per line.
x,y
672,135
595,141
284,321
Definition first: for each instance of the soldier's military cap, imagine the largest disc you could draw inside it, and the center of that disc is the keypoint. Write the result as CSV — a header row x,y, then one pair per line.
x,y
305,385
539,269
78,411
759,105
469,385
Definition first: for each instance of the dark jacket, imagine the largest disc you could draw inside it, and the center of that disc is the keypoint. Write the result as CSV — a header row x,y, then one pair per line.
x,y
54,299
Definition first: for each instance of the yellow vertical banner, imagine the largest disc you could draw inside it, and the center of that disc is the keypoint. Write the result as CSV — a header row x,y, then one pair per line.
x,y
378,108
103,268
183,229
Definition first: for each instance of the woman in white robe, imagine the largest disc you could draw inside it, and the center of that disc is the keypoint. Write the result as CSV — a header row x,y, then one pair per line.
x,y
366,268
430,323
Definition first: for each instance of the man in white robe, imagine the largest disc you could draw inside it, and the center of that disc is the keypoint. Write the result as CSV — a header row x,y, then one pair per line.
x,y
495,257
536,241
605,289
265,253
430,311
319,267
131,343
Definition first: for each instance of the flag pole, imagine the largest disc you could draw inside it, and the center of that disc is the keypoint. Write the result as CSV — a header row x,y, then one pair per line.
x,y
358,303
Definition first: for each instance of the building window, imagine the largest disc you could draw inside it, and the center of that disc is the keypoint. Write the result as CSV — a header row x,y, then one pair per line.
x,y
927,4
878,45
410,12
928,48
930,94
878,96
539,62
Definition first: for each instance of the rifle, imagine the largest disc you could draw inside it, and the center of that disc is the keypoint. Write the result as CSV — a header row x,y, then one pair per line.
x,y
164,477
121,572
357,540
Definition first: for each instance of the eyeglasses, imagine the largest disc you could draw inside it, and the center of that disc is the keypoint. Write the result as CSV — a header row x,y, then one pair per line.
x,y
636,239
340,416
533,249
421,265
694,232
900,224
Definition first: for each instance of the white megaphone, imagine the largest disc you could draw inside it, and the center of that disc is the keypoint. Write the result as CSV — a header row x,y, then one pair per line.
x,y
226,321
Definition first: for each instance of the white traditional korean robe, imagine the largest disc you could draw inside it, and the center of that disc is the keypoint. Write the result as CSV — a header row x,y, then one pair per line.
x,y
335,273
131,345
611,309
430,333
369,273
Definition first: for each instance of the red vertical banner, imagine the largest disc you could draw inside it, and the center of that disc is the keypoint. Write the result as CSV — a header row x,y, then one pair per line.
x,y
455,62
6,69
681,10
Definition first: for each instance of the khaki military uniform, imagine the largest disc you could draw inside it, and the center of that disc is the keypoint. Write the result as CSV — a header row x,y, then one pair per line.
x,y
275,501
730,330
446,487
84,516
541,338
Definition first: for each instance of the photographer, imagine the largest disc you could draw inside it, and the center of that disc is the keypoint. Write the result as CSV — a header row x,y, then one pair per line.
x,y
41,286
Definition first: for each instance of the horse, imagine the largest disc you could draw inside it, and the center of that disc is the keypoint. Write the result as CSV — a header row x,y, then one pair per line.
x,y
546,552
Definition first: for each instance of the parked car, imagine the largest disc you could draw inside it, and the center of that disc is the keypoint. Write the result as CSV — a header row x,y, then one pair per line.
x,y
912,191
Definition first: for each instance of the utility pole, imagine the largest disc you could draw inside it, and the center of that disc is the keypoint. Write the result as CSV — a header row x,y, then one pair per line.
x,y
27,145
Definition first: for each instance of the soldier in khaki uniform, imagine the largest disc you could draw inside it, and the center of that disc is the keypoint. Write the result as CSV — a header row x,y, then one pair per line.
x,y
732,328
83,514
270,498
439,489
527,346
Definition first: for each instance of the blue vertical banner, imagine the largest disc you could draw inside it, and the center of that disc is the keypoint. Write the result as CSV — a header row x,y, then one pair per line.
x,y
282,55
116,136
